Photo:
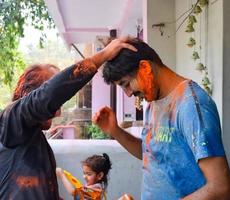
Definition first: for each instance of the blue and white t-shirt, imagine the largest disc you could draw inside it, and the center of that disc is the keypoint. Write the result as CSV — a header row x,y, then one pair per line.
x,y
179,130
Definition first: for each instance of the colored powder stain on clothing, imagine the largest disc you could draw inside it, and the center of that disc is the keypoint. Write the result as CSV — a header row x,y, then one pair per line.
x,y
148,137
171,109
27,181
178,93
179,139
145,161
193,141
84,67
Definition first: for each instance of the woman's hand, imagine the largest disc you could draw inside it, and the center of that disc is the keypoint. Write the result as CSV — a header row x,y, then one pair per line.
x,y
116,45
112,50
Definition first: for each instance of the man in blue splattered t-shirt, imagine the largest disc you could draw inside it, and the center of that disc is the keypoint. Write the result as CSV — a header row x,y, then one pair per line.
x,y
181,148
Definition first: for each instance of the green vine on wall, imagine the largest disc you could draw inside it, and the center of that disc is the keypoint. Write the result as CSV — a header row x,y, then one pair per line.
x,y
191,21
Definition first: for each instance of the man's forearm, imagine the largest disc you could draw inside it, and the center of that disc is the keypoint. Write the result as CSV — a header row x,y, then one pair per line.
x,y
131,143
208,192
216,172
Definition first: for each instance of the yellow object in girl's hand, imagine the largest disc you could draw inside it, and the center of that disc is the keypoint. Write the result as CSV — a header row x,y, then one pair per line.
x,y
76,183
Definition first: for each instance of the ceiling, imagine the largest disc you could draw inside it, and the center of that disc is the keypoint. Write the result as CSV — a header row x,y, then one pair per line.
x,y
80,21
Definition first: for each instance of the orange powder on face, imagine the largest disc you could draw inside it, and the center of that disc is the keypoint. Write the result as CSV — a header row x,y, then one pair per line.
x,y
27,181
145,81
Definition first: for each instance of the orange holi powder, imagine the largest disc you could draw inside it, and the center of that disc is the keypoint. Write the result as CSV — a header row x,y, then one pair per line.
x,y
145,161
27,181
148,136
179,94
145,81
84,67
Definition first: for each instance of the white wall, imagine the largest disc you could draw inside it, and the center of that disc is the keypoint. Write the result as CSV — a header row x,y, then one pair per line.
x,y
210,35
184,63
134,15
100,93
216,39
226,72
126,172
158,11
215,52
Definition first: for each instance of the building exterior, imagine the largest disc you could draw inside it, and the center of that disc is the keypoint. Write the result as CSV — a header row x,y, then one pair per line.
x,y
82,21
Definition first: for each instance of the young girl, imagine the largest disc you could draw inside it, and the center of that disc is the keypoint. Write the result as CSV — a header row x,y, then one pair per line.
x,y
95,170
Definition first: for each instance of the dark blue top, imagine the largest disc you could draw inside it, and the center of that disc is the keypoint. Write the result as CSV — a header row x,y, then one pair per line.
x,y
179,130
27,163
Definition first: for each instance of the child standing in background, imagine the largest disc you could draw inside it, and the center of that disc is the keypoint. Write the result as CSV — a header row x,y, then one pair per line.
x,y
95,173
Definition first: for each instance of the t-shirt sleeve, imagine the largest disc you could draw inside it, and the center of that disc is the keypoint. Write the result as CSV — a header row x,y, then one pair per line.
x,y
200,125
21,119
96,186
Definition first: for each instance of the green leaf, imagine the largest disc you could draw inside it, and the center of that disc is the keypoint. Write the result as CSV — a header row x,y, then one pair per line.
x,y
94,132
14,16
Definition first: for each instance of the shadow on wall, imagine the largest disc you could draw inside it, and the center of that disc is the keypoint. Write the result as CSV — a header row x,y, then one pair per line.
x,y
125,176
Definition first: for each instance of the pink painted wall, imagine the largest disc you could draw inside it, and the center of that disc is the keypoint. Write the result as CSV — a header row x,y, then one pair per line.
x,y
101,98
100,93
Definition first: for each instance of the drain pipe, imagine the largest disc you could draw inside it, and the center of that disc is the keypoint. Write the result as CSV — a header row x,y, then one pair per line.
x,y
75,47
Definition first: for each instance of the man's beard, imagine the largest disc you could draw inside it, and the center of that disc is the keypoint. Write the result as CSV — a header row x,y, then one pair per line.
x,y
137,94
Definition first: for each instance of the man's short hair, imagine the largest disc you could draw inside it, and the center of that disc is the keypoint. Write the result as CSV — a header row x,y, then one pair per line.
x,y
127,61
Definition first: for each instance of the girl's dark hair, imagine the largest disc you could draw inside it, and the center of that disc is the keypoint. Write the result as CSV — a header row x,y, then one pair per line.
x,y
99,163
127,61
